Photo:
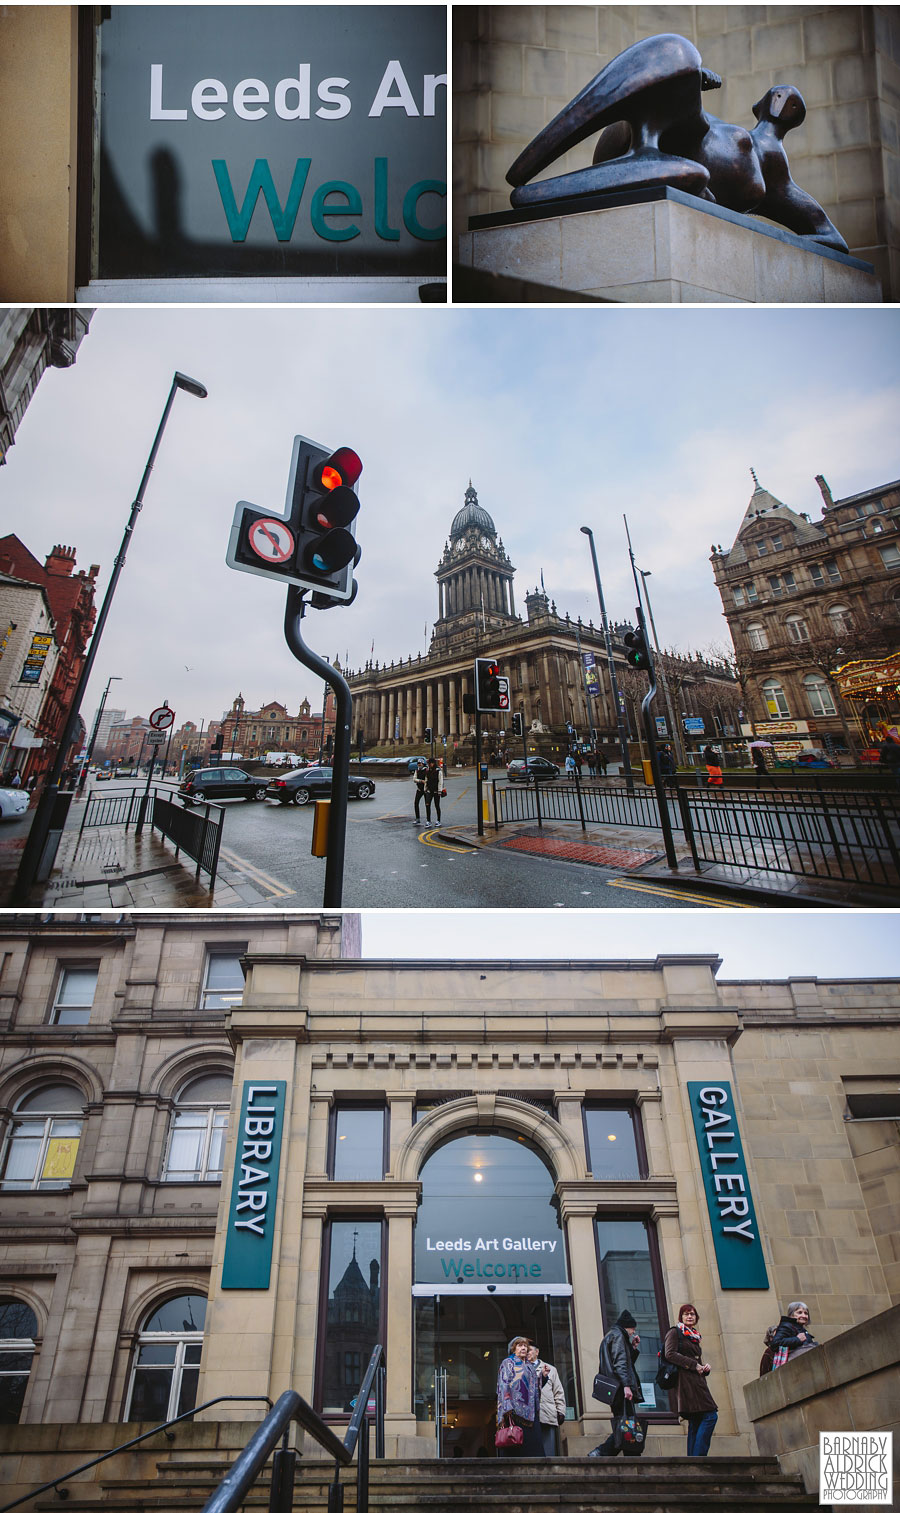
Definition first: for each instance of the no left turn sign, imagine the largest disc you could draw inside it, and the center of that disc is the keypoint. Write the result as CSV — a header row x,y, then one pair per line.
x,y
271,540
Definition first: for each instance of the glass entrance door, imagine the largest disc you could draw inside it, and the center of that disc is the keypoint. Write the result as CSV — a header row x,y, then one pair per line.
x,y
467,1337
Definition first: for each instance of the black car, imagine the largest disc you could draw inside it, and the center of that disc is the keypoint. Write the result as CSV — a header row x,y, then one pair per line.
x,y
314,783
538,768
210,784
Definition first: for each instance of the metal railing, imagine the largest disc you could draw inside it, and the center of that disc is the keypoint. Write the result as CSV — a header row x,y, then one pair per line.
x,y
292,1408
198,834
54,1486
845,837
591,803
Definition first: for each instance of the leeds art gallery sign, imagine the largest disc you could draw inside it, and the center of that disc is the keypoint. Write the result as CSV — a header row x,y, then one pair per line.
x,y
271,141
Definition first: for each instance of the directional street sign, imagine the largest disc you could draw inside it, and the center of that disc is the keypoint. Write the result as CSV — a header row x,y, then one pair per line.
x,y
162,718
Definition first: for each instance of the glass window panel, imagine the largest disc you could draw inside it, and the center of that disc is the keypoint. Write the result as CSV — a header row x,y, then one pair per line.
x,y
157,1355
215,1161
71,1016
77,986
626,1281
212,1089
17,1320
225,971
359,1144
55,1100
150,1396
192,1355
612,1149
15,1360
186,1145
187,1397
23,1153
184,1315
353,1313
12,1396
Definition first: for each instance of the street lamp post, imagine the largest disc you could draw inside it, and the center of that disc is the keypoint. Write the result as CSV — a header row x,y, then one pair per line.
x,y
676,733
93,741
40,827
620,723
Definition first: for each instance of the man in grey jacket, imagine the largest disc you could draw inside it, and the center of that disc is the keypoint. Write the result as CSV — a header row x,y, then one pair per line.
x,y
552,1401
619,1350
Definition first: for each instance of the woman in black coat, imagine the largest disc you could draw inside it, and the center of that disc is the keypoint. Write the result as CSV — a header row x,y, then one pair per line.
x,y
693,1398
792,1330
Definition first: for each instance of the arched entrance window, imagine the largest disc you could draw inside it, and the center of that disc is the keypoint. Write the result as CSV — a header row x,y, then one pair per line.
x,y
167,1361
18,1328
490,1263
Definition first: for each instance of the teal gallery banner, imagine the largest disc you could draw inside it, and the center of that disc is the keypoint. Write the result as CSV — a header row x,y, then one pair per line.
x,y
251,1219
736,1237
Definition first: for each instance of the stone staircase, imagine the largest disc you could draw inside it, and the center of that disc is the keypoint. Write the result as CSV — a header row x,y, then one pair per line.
x,y
650,1485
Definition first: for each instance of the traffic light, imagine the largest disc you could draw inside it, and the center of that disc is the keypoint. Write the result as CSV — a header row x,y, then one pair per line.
x,y
517,725
637,654
428,736
313,544
491,687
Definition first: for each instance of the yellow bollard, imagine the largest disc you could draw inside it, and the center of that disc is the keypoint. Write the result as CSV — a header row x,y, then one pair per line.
x,y
648,771
319,843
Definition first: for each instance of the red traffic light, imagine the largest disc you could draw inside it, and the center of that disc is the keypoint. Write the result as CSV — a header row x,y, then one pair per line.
x,y
342,468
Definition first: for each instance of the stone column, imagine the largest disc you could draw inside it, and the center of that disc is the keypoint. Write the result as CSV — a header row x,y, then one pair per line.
x,y
512,602
420,728
454,727
440,717
429,705
400,1108
526,692
577,1211
382,718
546,689
399,1418
311,1231
568,1109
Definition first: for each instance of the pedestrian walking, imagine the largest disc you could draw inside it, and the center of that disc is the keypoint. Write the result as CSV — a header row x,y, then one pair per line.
x,y
758,758
16,779
434,788
518,1396
693,1400
619,1350
601,763
419,778
570,766
713,764
591,760
552,1411
666,765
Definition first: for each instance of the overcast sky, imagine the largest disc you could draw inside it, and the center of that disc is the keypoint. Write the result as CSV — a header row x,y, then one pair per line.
x,y
560,418
804,943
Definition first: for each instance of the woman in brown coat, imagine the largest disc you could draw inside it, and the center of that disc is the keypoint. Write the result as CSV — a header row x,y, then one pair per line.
x,y
693,1398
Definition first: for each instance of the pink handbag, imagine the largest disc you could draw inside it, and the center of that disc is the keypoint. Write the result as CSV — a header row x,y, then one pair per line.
x,y
508,1434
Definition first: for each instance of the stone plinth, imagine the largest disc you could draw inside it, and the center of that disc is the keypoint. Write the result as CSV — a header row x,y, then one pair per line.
x,y
661,246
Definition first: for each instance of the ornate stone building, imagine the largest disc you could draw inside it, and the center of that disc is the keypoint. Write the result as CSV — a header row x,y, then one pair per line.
x,y
813,607
557,667
443,1155
253,732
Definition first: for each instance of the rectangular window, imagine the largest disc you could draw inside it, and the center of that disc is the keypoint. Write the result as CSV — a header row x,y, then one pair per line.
x,y
630,1277
738,596
789,582
613,1141
353,1263
890,556
762,548
74,995
223,984
358,1144
776,585
776,543
832,569
816,573
752,595
196,1146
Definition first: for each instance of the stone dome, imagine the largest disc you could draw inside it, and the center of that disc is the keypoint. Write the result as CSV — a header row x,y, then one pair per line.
x,y
472,514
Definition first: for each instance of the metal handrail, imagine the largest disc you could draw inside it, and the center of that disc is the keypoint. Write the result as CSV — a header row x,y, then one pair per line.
x,y
53,1486
291,1407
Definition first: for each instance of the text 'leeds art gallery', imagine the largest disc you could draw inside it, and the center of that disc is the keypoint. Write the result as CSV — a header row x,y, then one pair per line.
x,y
236,1157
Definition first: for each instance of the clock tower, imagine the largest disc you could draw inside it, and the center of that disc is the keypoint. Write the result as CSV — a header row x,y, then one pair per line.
x,y
475,582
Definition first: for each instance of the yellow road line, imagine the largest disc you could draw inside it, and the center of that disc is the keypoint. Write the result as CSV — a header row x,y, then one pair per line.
x,y
622,882
426,839
271,884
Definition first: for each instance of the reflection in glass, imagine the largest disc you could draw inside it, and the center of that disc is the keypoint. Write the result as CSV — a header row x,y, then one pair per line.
x,y
166,1370
626,1281
18,1328
352,1321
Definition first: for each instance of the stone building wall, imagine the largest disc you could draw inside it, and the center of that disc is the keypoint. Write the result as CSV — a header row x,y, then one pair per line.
x,y
516,66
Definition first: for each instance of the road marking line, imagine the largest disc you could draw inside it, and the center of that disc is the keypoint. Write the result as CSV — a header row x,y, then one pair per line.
x,y
426,839
621,882
272,884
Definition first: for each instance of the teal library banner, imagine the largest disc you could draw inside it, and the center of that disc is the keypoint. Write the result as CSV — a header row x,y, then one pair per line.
x,y
736,1237
251,1219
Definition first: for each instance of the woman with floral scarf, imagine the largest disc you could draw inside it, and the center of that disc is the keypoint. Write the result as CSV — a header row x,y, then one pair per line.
x,y
693,1398
518,1399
